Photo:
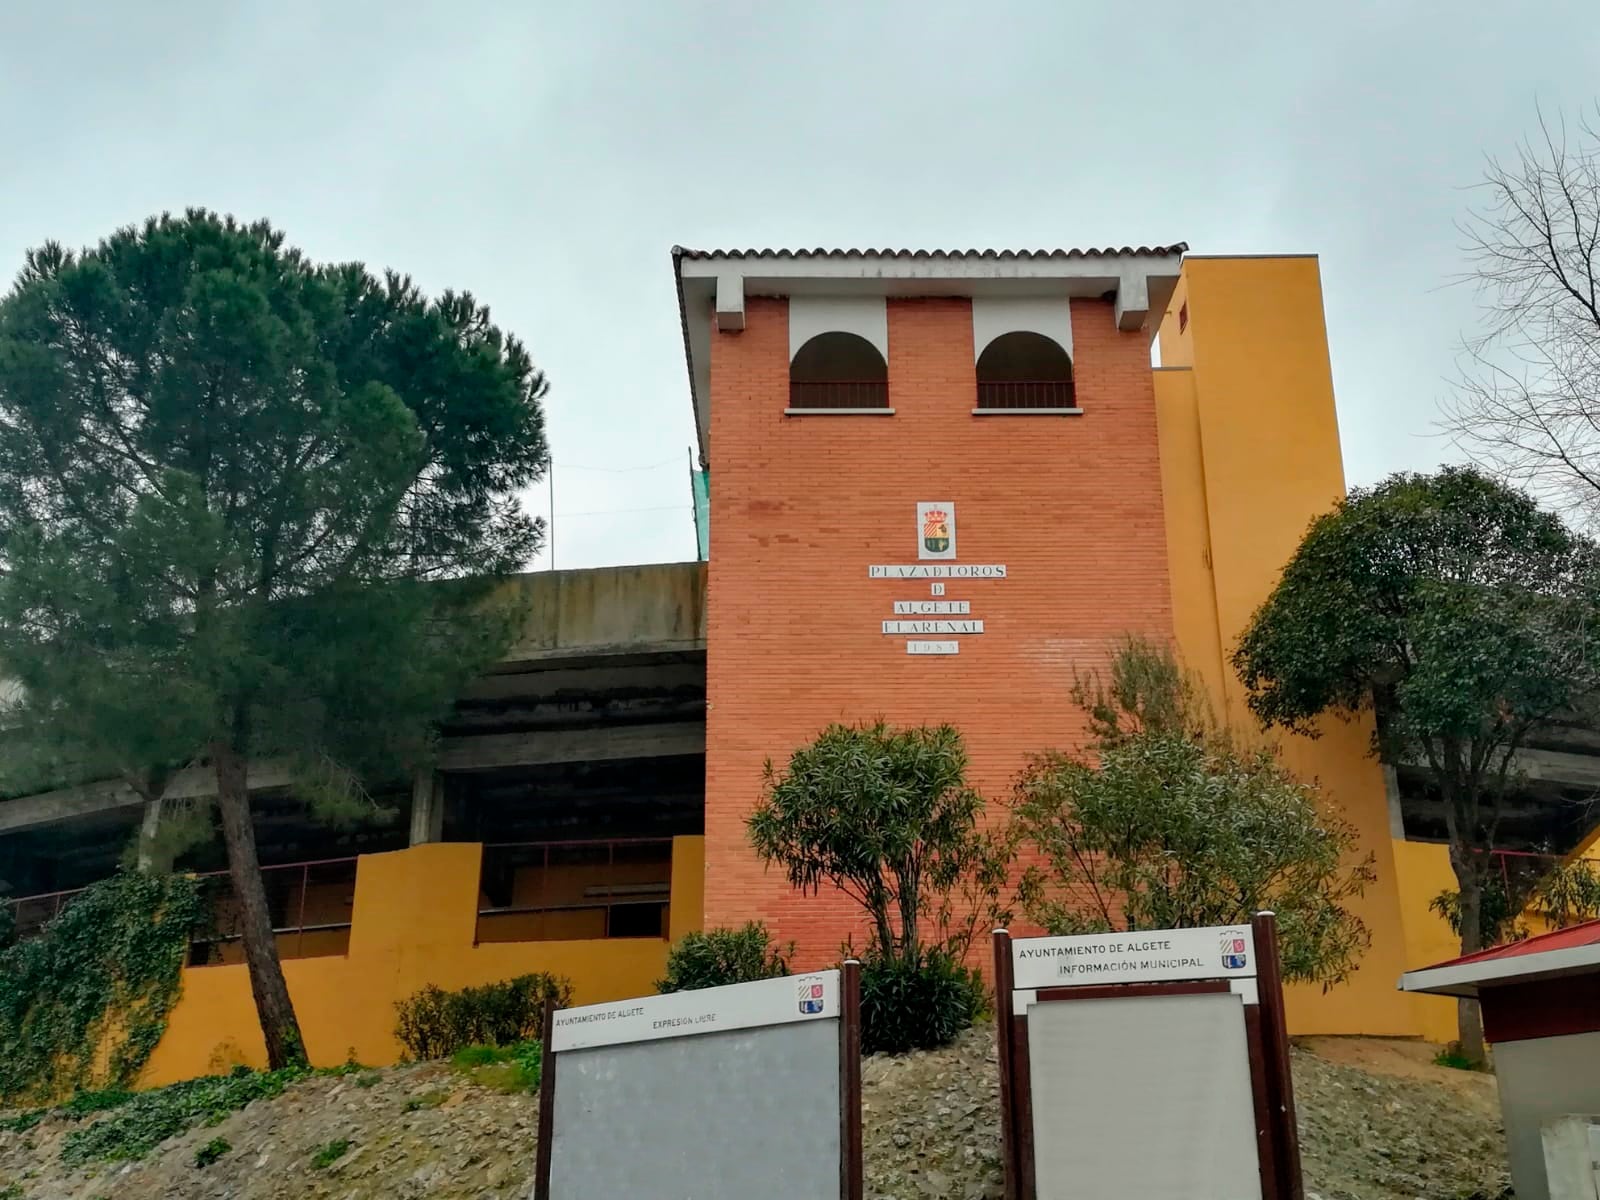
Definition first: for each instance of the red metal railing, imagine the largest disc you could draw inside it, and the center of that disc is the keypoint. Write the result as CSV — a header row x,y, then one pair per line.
x,y
314,898
1525,866
529,891
1026,393
32,913
575,890
839,393
306,898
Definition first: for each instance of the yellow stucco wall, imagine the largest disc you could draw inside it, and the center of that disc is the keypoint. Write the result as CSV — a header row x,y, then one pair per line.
x,y
1250,454
687,907
413,924
1423,870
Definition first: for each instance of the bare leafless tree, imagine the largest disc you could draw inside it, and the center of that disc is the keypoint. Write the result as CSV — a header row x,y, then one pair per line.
x,y
1527,404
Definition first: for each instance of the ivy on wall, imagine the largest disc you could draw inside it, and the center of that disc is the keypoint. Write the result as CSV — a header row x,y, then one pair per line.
x,y
84,1004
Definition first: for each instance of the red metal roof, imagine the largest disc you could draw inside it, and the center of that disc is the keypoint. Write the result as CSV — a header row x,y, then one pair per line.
x,y
1587,934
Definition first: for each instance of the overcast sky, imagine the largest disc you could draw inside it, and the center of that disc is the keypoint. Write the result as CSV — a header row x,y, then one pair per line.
x,y
547,156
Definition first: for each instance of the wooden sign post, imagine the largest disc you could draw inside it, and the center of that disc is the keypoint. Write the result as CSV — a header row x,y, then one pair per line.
x,y
1151,1065
715,1094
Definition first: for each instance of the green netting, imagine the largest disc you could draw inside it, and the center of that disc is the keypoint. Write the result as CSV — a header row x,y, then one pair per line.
x,y
701,482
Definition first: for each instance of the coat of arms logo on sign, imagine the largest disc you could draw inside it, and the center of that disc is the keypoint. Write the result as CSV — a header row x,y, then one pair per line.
x,y
1234,955
936,529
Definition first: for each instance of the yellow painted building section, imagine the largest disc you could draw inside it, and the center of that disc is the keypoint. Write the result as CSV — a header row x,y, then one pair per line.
x,y
1423,869
414,923
686,906
1250,454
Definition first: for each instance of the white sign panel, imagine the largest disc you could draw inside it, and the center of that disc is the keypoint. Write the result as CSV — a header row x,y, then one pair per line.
x,y
933,647
1145,1097
1224,952
936,571
812,997
927,627
936,529
931,608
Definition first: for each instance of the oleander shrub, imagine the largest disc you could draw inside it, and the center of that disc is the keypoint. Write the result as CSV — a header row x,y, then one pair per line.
x,y
917,1004
722,956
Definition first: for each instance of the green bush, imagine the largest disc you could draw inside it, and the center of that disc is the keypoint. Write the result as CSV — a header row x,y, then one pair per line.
x,y
514,1068
211,1151
469,1057
330,1154
82,1104
434,1023
22,1122
426,1102
1452,1057
146,1119
527,1065
919,1004
721,956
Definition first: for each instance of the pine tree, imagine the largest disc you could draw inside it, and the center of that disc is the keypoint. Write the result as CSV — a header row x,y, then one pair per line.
x,y
252,506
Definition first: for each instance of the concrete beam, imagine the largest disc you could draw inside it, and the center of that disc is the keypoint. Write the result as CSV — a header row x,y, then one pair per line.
x,y
1545,766
730,302
494,750
661,677
427,808
1397,818
609,611
66,804
148,828
584,711
1556,766
1133,301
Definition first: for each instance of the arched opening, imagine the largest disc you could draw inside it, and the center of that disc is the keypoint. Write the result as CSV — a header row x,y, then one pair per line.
x,y
838,370
1025,370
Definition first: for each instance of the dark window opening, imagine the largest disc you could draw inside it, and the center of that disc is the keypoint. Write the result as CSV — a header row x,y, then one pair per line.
x,y
1025,371
838,370
1183,316
637,920
575,891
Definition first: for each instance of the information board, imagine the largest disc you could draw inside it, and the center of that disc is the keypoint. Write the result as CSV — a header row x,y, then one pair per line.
x,y
706,1095
1151,1064
1178,1061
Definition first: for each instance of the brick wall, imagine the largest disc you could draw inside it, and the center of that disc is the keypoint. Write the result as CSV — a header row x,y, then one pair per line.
x,y
802,505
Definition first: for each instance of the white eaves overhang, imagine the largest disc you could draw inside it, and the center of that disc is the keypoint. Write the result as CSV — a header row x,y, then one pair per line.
x,y
713,285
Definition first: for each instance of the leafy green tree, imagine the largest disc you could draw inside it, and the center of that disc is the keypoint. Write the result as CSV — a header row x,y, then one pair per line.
x,y
1166,821
1499,914
251,506
1568,893
1461,613
886,815
1565,893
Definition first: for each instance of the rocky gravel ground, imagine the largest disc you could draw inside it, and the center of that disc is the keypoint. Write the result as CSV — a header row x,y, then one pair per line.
x,y
1378,1122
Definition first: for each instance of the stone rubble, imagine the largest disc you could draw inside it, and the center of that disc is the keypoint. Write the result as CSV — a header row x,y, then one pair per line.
x,y
931,1130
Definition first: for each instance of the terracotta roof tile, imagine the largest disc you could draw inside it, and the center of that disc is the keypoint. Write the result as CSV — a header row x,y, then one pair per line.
x,y
824,252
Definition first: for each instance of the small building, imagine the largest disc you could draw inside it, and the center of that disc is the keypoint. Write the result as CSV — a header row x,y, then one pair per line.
x,y
1541,1012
